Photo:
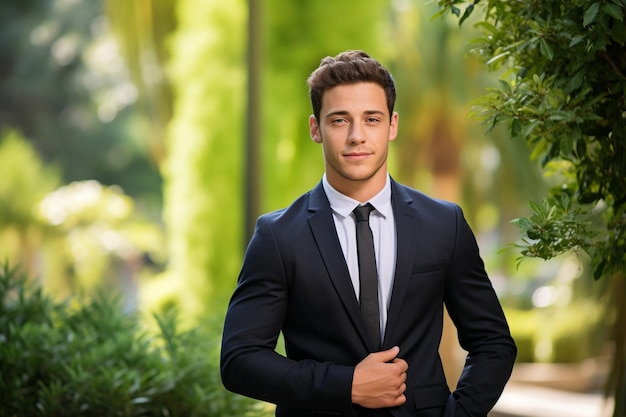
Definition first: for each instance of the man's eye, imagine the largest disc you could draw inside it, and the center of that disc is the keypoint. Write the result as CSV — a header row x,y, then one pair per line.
x,y
372,120
339,121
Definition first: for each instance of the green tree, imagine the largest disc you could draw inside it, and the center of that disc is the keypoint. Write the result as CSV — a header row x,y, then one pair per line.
x,y
188,60
202,171
564,94
64,86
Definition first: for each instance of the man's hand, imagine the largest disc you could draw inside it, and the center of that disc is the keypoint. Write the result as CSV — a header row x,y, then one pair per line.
x,y
379,380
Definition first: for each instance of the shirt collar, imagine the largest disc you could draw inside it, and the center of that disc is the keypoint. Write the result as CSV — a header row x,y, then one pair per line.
x,y
344,205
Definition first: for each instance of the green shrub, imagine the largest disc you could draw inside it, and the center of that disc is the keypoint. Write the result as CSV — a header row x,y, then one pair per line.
x,y
87,357
565,334
576,332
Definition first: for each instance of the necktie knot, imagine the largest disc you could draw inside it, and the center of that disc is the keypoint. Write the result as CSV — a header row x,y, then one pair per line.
x,y
362,213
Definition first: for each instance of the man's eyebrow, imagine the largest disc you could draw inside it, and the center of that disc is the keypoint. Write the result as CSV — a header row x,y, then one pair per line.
x,y
346,113
337,113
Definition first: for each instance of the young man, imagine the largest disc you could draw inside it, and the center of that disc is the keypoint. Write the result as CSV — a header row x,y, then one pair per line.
x,y
304,274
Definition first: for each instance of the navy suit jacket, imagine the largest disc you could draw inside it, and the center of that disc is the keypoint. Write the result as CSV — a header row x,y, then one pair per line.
x,y
294,279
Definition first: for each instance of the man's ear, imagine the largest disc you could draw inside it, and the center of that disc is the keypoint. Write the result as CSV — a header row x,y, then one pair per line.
x,y
393,126
314,129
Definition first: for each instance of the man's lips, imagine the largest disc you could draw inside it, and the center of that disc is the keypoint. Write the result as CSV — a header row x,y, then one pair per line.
x,y
357,156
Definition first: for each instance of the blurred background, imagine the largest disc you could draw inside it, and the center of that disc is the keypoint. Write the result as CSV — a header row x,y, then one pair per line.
x,y
140,139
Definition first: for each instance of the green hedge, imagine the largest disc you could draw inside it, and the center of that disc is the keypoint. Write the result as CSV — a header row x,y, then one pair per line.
x,y
565,334
89,358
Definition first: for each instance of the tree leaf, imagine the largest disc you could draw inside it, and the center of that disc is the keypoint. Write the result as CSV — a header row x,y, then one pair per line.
x,y
546,49
528,129
575,82
467,14
567,145
439,14
614,11
591,14
498,57
486,26
522,72
516,127
577,39
536,208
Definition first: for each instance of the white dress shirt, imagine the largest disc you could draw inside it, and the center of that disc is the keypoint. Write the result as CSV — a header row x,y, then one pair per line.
x,y
384,232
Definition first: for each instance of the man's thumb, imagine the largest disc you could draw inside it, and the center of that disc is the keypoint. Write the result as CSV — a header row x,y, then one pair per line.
x,y
389,354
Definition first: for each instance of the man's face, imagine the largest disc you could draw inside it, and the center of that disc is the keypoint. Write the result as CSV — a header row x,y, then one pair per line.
x,y
355,130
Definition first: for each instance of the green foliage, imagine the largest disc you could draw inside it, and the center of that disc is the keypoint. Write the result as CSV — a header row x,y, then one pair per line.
x,y
576,333
452,7
91,229
556,334
564,93
203,169
25,180
63,84
553,229
72,236
85,357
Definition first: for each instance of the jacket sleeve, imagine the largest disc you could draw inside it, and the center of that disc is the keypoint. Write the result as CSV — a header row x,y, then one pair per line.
x,y
482,328
249,363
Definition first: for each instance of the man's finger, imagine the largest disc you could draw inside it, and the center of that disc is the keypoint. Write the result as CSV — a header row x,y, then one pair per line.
x,y
388,355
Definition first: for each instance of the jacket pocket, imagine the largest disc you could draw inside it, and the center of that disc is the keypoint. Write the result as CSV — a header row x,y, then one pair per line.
x,y
431,396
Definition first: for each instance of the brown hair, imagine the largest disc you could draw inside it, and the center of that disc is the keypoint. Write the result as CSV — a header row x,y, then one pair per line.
x,y
349,67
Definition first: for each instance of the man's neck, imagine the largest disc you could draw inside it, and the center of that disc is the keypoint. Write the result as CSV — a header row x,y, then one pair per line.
x,y
361,191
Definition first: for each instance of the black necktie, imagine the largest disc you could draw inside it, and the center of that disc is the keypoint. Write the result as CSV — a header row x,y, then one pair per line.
x,y
368,276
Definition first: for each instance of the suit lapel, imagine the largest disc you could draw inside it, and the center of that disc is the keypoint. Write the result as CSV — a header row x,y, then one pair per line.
x,y
325,235
406,217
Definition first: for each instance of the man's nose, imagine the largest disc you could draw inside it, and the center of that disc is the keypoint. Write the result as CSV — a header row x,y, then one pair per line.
x,y
357,135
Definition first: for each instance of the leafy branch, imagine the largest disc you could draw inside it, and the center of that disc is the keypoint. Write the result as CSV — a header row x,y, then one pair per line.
x,y
554,228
